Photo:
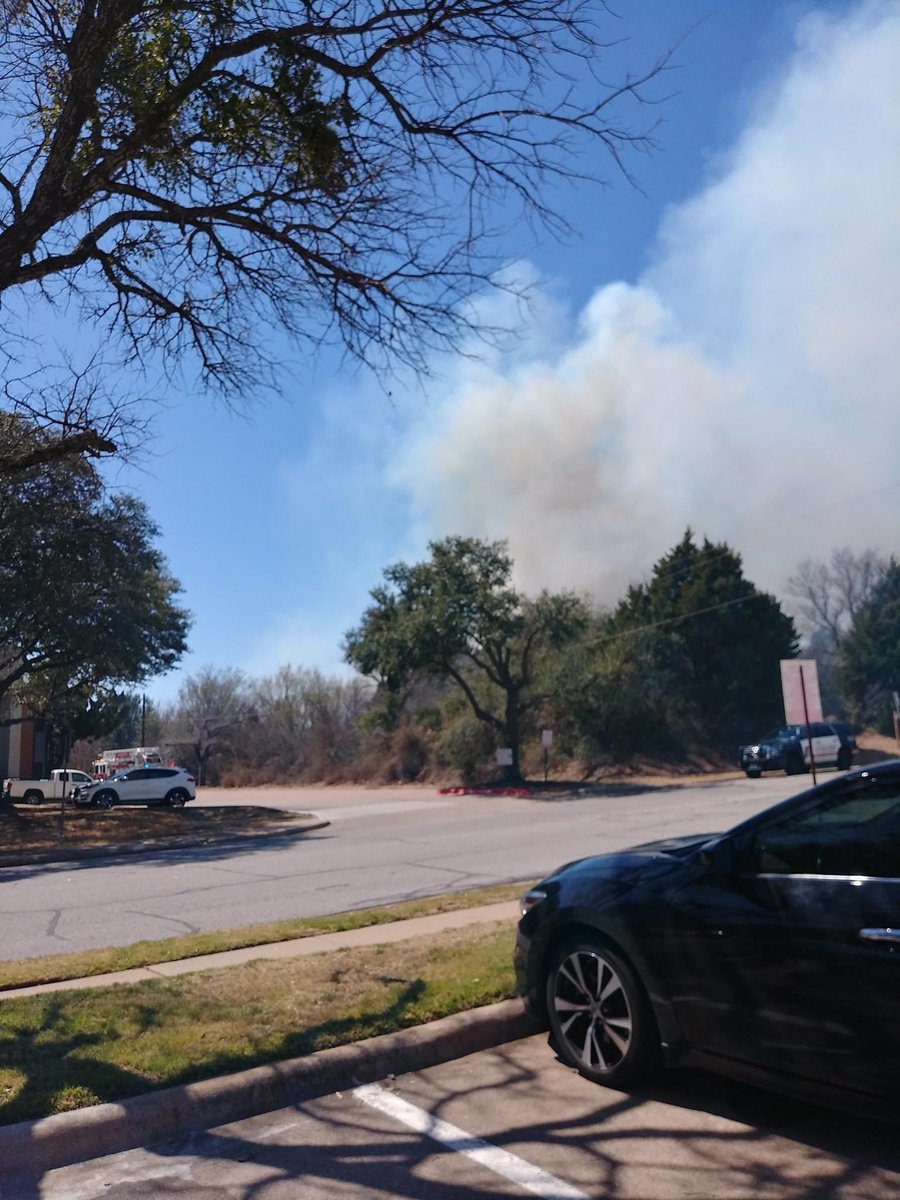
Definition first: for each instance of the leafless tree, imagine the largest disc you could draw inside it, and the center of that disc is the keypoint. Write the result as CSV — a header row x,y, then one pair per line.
x,y
48,416
184,173
307,724
829,595
212,706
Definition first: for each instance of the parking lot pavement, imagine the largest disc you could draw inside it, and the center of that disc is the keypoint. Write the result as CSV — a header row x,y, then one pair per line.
x,y
509,1122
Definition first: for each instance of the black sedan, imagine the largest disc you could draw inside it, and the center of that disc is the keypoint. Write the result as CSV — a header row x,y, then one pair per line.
x,y
770,953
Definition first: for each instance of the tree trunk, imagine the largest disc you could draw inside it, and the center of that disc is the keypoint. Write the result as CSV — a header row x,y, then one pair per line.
x,y
512,774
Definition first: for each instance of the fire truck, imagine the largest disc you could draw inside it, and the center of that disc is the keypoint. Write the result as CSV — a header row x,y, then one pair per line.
x,y
110,762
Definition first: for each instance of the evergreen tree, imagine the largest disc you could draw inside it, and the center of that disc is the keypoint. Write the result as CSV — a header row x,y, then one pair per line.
x,y
869,669
87,604
710,639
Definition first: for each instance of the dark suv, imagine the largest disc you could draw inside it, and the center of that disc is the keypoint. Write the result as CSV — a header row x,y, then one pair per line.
x,y
788,749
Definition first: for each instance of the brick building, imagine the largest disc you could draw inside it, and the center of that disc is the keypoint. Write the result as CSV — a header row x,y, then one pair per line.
x,y
23,745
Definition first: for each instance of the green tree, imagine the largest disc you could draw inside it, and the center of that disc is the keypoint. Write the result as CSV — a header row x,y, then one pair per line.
x,y
84,714
186,172
710,640
87,605
611,699
456,616
869,664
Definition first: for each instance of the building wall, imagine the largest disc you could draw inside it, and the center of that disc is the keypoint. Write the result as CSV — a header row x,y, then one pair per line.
x,y
5,733
23,746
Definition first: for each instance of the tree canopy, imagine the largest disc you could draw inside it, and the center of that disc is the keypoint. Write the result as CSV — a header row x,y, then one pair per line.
x,y
184,172
87,604
457,616
708,635
869,663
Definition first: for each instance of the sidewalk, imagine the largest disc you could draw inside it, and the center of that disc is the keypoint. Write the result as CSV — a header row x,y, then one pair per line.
x,y
38,1146
370,935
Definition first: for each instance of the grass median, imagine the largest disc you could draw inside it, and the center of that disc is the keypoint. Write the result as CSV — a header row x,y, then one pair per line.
x,y
64,1051
81,965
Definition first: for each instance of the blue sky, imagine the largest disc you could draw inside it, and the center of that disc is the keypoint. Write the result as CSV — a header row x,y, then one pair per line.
x,y
718,349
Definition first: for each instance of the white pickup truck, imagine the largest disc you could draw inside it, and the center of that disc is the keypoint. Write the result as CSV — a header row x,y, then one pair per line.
x,y
33,791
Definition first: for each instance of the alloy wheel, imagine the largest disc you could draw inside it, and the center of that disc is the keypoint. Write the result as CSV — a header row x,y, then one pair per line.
x,y
593,1014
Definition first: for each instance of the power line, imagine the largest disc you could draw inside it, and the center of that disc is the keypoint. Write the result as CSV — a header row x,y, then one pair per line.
x,y
698,612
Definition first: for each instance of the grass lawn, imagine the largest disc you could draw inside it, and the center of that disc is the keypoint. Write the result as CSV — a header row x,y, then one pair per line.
x,y
67,1050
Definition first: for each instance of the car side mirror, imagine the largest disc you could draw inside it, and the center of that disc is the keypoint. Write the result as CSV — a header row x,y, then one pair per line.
x,y
719,857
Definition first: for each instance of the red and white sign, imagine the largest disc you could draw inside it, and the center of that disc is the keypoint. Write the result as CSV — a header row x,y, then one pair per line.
x,y
800,688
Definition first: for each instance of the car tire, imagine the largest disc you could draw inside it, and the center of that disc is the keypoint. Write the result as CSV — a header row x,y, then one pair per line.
x,y
177,798
753,774
844,759
601,1022
105,799
794,764
33,796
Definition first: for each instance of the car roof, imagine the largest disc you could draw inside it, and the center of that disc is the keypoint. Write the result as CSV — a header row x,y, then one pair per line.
x,y
886,772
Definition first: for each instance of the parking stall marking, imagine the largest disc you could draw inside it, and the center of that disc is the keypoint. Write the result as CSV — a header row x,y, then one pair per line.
x,y
501,1162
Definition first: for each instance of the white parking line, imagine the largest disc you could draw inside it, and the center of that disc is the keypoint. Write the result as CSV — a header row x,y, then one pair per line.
x,y
501,1162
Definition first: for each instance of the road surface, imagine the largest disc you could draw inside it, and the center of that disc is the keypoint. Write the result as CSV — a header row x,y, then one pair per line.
x,y
382,845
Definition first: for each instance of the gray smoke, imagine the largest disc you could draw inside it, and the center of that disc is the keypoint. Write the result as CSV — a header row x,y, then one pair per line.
x,y
747,386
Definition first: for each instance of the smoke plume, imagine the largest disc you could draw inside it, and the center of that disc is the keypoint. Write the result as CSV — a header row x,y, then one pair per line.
x,y
746,386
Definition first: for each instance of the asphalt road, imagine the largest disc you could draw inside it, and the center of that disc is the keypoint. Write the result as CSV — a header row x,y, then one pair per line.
x,y
382,845
510,1122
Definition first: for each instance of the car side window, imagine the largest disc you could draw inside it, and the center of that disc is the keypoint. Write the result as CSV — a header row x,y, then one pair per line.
x,y
853,832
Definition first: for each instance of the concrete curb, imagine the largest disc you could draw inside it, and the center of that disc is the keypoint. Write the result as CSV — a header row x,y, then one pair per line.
x,y
38,1146
153,846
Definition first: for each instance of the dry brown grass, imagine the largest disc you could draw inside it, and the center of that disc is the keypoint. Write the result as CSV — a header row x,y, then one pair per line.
x,y
29,828
875,747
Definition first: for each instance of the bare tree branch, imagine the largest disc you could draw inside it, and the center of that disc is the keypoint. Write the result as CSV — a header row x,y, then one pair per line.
x,y
66,413
188,172
830,595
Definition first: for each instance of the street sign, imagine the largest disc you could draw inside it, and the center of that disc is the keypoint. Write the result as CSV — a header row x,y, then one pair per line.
x,y
800,688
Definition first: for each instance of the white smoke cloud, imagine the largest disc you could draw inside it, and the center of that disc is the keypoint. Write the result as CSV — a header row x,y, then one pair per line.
x,y
747,386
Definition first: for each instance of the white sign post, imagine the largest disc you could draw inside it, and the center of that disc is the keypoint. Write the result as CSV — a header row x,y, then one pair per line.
x,y
546,742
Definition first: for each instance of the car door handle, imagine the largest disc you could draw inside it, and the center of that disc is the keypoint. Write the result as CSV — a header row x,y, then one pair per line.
x,y
880,935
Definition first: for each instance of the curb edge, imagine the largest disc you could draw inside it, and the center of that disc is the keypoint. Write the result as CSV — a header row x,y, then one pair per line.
x,y
66,1138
